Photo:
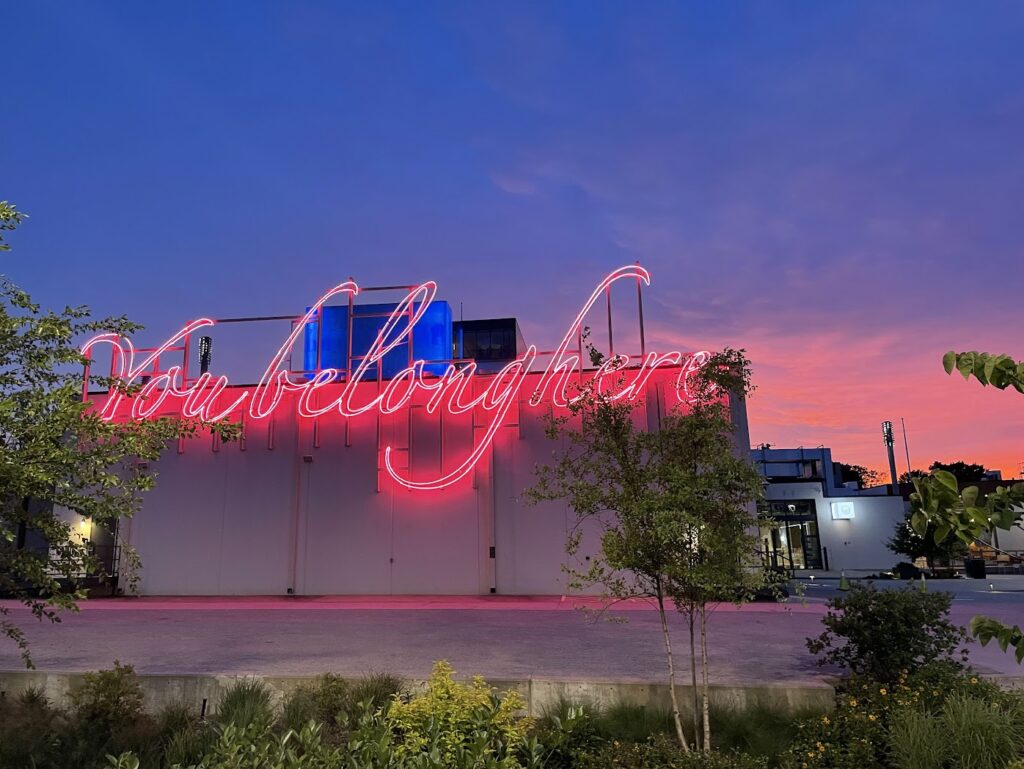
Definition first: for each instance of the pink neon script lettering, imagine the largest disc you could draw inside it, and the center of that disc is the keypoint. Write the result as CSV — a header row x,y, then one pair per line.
x,y
453,389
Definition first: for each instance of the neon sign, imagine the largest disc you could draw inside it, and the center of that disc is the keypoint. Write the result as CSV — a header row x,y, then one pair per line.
x,y
453,390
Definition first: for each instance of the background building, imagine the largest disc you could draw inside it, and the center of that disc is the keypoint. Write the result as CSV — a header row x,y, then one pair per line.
x,y
820,524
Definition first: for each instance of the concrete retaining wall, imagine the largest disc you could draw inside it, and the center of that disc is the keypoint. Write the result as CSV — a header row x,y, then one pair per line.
x,y
540,694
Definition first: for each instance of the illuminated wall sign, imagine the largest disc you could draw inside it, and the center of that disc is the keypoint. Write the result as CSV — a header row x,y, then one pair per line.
x,y
843,511
200,397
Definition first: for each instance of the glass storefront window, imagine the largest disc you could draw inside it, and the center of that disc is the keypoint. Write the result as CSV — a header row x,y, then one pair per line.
x,y
789,535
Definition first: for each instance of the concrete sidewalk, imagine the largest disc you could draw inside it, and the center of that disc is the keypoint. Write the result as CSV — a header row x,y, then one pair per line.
x,y
498,637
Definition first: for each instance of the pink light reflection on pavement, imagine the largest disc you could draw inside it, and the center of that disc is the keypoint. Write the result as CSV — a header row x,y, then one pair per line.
x,y
398,603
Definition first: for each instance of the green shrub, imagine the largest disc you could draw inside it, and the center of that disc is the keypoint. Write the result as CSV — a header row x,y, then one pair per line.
x,y
174,717
462,724
564,733
107,717
936,711
337,703
378,689
882,633
246,703
184,736
108,697
30,731
850,738
662,752
189,744
854,735
323,701
257,747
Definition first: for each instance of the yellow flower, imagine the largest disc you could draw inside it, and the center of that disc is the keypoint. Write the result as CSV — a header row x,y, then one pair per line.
x,y
974,680
882,691
853,702
821,748
872,717
824,720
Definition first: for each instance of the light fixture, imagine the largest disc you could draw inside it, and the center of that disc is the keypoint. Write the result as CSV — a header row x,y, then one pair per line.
x,y
205,353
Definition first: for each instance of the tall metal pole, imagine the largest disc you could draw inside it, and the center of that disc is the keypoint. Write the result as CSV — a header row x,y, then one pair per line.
x,y
640,312
611,344
906,446
887,437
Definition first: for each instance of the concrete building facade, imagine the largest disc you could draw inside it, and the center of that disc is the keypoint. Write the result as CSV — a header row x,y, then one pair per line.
x,y
819,524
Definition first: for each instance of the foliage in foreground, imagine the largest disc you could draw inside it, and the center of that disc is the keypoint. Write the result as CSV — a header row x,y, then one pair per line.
x,y
662,753
370,723
938,711
937,718
910,702
673,507
939,505
57,453
570,730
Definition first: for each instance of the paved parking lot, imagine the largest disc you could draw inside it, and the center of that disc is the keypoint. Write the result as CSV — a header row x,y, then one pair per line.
x,y
494,636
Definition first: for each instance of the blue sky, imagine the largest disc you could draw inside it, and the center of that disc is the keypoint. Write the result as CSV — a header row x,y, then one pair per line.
x,y
834,186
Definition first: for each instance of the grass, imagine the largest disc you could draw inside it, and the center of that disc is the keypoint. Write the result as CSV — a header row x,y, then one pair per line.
x,y
979,734
917,741
246,702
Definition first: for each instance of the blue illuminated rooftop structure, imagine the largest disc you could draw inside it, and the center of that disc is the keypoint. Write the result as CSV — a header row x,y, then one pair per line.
x,y
431,338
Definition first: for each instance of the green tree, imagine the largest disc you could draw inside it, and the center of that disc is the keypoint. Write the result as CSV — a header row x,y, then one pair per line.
x,y
10,217
858,473
939,502
908,477
675,507
964,472
58,457
906,541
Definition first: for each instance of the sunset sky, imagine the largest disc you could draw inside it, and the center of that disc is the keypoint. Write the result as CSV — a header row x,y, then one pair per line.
x,y
836,187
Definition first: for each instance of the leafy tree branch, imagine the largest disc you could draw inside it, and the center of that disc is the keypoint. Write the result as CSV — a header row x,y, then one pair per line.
x,y
58,459
1000,371
939,504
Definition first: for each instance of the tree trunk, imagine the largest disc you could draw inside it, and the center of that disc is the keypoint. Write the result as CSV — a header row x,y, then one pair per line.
x,y
671,674
691,617
704,676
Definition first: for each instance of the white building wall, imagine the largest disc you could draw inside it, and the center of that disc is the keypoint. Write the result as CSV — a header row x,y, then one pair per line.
x,y
302,506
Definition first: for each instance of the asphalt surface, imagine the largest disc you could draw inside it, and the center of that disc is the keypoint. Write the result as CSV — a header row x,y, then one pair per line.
x,y
498,637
